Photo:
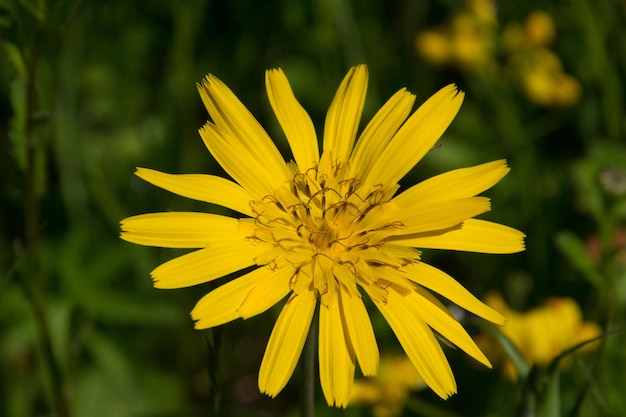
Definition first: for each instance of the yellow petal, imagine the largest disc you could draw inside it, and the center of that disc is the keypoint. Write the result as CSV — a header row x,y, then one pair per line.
x,y
360,332
207,264
443,284
416,137
336,358
286,342
390,276
385,255
240,163
268,291
220,305
439,318
179,229
459,183
440,214
207,188
234,118
472,235
379,132
294,120
344,113
419,343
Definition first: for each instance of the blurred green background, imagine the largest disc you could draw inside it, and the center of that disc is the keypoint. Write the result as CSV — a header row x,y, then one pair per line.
x,y
89,90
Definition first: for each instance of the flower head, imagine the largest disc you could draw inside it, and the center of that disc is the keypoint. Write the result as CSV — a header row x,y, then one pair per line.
x,y
467,40
542,333
537,68
328,229
388,392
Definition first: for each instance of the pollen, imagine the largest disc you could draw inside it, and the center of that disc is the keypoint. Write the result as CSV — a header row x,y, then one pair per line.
x,y
325,222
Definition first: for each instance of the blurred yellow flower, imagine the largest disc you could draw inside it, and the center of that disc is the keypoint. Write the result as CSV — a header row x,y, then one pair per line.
x,y
434,46
467,40
483,10
539,28
567,90
538,69
542,333
327,228
388,391
471,41
543,80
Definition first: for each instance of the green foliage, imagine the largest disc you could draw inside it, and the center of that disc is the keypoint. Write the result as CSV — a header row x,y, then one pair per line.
x,y
89,90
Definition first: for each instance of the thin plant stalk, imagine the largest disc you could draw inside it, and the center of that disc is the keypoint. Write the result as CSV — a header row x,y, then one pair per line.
x,y
308,372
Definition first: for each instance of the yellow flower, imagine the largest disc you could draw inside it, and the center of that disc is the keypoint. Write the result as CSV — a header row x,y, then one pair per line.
x,y
567,90
389,390
544,81
542,333
433,46
539,28
466,40
484,10
329,228
471,41
538,69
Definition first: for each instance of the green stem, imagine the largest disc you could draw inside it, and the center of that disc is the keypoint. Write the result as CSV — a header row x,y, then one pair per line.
x,y
33,279
308,372
59,390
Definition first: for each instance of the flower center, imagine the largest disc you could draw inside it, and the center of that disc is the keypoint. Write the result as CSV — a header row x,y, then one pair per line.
x,y
321,224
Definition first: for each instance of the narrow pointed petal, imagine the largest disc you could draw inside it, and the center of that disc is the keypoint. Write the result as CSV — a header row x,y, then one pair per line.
x,y
207,264
240,125
179,229
294,120
286,342
439,318
221,305
207,188
440,215
379,132
473,235
344,113
336,358
268,291
419,343
240,163
443,284
416,137
459,183
360,332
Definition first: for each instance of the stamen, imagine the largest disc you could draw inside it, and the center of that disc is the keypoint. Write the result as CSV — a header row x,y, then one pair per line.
x,y
315,224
